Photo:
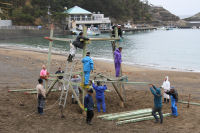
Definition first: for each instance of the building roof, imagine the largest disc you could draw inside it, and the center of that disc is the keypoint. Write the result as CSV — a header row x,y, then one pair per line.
x,y
77,10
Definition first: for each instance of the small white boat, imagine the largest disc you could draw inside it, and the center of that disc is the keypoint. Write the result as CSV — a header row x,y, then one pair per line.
x,y
90,31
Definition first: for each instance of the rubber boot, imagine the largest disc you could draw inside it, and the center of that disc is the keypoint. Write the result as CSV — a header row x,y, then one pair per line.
x,y
73,101
167,100
70,58
164,100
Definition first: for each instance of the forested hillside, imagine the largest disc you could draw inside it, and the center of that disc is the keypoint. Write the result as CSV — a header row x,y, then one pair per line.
x,y
35,12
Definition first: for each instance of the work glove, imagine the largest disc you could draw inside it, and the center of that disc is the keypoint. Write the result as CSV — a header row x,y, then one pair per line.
x,y
85,109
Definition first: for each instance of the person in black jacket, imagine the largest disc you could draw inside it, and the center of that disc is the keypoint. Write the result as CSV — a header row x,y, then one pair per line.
x,y
60,84
174,99
89,106
78,43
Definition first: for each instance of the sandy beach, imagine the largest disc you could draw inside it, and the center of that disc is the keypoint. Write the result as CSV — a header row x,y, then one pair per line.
x,y
20,69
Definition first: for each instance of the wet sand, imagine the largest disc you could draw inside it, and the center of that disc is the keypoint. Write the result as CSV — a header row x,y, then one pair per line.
x,y
20,69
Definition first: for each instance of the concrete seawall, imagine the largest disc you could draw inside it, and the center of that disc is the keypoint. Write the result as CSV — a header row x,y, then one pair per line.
x,y
15,34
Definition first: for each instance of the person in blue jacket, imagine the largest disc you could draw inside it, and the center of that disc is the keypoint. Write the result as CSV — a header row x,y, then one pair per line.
x,y
174,99
157,103
88,66
100,98
89,106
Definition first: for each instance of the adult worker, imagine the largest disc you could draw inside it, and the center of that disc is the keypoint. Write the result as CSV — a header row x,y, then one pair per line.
x,y
157,103
100,98
78,43
89,106
118,61
60,84
174,99
44,75
41,95
88,66
166,87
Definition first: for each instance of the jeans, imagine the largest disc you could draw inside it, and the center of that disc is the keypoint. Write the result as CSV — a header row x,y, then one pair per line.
x,y
90,115
159,110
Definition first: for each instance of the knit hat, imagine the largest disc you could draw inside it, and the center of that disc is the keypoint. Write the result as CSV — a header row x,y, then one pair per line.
x,y
90,91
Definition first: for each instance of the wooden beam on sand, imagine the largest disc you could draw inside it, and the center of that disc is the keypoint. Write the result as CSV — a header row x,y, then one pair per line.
x,y
127,112
136,112
140,119
191,103
21,90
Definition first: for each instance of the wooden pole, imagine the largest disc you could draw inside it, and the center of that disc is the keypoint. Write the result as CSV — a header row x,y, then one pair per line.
x,y
120,84
83,55
189,101
49,55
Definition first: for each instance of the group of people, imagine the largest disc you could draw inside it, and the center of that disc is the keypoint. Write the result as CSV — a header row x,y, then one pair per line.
x,y
169,93
88,67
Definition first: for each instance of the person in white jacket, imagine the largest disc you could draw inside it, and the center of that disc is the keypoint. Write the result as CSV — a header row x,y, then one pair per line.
x,y
166,87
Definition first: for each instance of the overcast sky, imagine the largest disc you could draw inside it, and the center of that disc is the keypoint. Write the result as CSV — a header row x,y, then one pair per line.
x,y
179,7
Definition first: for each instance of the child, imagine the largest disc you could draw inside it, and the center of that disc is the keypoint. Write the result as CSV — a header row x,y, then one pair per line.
x,y
76,79
89,106
100,98
174,99
41,95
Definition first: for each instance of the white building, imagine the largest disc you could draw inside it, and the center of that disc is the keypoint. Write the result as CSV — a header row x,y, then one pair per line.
x,y
79,16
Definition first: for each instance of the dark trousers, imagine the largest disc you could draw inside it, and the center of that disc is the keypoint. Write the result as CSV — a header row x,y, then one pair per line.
x,y
41,103
90,115
159,110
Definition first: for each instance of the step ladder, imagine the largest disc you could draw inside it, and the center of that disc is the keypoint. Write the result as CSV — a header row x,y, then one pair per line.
x,y
66,83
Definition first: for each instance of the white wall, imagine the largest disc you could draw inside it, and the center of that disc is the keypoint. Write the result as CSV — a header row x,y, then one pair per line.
x,y
5,22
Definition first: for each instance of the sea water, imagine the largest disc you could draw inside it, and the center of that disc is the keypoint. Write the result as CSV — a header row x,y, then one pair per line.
x,y
177,49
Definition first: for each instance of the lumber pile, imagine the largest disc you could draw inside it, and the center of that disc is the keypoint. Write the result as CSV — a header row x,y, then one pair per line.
x,y
130,116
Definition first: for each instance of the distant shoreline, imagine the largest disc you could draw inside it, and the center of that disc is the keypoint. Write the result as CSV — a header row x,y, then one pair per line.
x,y
64,54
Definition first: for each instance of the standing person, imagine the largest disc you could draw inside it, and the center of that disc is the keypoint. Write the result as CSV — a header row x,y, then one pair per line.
x,y
174,99
78,43
60,84
89,106
166,87
88,66
157,103
118,61
100,98
76,79
41,95
44,75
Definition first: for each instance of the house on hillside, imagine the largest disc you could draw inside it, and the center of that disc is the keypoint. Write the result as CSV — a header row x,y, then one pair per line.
x,y
78,16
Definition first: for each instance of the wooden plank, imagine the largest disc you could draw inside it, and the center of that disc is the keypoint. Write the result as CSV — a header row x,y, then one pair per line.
x,y
140,119
113,114
51,87
69,40
137,112
119,94
83,56
49,55
76,97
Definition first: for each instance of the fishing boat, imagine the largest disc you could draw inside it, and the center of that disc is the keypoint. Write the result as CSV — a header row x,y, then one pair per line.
x,y
92,31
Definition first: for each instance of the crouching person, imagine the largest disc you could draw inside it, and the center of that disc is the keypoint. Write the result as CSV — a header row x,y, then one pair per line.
x,y
89,106
157,103
174,99
41,95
